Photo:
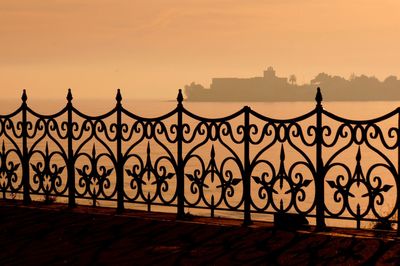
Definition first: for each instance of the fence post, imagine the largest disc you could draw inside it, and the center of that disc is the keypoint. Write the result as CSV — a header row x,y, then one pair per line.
x,y
25,155
398,171
180,182
247,170
320,171
70,163
120,163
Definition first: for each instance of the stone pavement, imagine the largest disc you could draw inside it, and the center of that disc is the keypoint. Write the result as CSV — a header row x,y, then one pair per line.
x,y
55,235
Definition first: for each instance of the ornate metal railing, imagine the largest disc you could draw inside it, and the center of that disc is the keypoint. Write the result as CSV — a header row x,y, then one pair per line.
x,y
318,165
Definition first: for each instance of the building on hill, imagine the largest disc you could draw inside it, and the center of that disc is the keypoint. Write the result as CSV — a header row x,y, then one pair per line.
x,y
269,87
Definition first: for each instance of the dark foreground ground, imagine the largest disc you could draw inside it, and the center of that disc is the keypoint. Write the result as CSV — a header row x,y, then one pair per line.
x,y
54,235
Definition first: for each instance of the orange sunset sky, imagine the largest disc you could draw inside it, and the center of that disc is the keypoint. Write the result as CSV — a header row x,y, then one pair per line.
x,y
151,48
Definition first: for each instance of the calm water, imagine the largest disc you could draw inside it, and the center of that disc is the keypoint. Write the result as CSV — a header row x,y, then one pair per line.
x,y
283,110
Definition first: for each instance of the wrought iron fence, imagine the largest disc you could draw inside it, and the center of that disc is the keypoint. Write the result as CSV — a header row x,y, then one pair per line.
x,y
318,165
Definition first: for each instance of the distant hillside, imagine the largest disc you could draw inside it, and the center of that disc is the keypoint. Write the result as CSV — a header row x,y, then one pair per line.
x,y
269,87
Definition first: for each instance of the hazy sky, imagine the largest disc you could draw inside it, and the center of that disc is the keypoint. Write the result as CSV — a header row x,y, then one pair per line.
x,y
151,48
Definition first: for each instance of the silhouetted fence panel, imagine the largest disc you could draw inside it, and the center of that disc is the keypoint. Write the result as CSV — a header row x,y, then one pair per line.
x,y
150,161
318,165
361,167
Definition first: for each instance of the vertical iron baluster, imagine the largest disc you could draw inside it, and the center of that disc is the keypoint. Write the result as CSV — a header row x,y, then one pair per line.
x,y
180,185
320,175
70,163
25,155
247,170
398,171
120,163
358,217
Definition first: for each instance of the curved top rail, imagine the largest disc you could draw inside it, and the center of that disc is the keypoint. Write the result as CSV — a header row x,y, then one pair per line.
x,y
157,118
96,117
24,98
218,119
10,115
360,122
180,107
283,121
47,116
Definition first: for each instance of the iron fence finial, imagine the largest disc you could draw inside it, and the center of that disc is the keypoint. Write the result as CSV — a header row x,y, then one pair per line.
x,y
24,97
69,95
119,96
318,96
180,97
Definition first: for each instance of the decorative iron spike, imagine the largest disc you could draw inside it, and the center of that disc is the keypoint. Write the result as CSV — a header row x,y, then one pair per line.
x,y
212,154
282,172
69,95
318,96
24,96
148,165
180,97
282,153
358,156
94,150
358,173
47,148
118,97
148,148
